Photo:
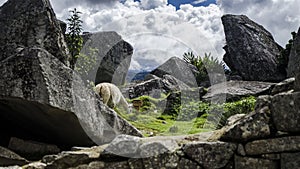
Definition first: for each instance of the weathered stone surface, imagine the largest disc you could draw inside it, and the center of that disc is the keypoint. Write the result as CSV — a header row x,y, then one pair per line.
x,y
253,126
290,160
124,145
235,90
275,145
73,158
112,59
156,147
136,163
156,86
251,50
232,119
30,23
32,150
254,163
210,154
9,158
271,156
42,99
12,167
188,164
297,83
294,58
285,109
164,160
179,69
63,26
104,165
34,165
284,86
262,101
241,150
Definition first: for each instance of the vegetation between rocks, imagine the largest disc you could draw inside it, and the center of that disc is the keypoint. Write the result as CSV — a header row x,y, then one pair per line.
x,y
191,118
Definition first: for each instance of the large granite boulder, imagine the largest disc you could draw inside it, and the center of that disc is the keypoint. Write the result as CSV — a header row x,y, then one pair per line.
x,y
179,69
113,57
30,23
156,86
42,99
235,90
251,50
294,58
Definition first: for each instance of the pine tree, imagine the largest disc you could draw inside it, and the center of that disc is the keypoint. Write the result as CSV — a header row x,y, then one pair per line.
x,y
73,37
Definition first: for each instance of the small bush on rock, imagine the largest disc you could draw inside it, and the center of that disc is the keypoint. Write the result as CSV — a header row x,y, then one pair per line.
x,y
204,65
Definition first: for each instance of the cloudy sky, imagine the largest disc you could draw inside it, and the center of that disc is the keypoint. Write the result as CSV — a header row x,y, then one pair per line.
x,y
160,29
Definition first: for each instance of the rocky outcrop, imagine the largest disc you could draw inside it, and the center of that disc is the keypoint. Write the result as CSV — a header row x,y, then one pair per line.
x,y
155,86
179,69
235,90
30,23
31,150
284,86
294,58
112,59
9,158
251,50
42,99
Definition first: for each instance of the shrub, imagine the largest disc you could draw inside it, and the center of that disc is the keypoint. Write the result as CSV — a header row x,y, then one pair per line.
x,y
192,110
204,65
243,106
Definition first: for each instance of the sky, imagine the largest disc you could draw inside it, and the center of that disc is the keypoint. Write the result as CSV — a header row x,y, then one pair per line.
x,y
160,29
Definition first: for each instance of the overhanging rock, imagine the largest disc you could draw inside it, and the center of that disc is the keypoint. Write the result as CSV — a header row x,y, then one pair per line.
x,y
42,99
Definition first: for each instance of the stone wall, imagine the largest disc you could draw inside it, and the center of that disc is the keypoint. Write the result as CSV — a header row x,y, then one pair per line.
x,y
266,138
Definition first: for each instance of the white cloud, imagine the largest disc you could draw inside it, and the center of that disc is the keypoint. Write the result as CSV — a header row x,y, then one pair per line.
x,y
199,1
151,4
153,26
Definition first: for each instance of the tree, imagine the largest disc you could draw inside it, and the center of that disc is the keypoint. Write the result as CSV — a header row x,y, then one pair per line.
x,y
73,37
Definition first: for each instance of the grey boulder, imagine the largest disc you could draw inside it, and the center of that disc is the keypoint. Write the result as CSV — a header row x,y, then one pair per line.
x,y
30,23
235,90
113,57
251,50
179,69
42,99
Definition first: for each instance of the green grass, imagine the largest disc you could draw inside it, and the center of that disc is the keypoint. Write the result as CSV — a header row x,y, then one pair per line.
x,y
150,121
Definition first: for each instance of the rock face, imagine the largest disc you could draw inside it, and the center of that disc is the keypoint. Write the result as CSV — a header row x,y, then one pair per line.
x,y
294,58
8,158
42,99
251,50
288,121
154,87
284,86
179,69
112,59
30,23
31,150
235,90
